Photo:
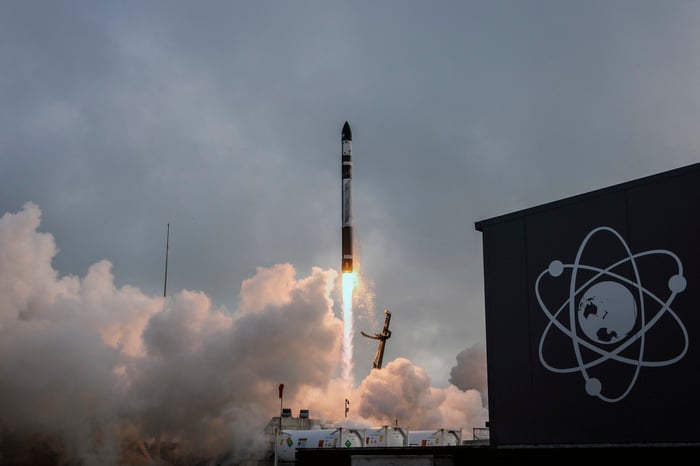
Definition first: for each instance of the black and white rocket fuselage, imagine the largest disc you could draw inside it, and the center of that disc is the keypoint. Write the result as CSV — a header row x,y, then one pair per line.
x,y
346,199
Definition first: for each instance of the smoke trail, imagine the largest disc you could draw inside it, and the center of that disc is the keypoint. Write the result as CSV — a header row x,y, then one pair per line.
x,y
349,280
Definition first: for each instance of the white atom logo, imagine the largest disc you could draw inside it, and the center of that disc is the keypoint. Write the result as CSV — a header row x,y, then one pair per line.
x,y
607,314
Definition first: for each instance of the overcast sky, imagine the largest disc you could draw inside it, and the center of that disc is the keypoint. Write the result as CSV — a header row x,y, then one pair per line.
x,y
223,119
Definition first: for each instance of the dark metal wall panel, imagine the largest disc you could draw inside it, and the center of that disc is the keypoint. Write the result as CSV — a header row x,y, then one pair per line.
x,y
461,455
507,339
665,217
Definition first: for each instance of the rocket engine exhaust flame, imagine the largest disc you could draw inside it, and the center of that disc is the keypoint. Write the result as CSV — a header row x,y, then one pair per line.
x,y
349,281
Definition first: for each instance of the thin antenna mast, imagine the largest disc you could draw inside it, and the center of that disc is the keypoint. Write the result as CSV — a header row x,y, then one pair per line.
x,y
167,246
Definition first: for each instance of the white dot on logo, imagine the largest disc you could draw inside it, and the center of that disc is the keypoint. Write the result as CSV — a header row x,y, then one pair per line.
x,y
556,268
676,283
593,387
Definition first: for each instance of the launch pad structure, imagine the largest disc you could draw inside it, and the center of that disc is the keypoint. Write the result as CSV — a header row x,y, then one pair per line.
x,y
382,337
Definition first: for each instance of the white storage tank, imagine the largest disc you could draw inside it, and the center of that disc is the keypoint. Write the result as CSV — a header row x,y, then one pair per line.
x,y
289,440
435,438
386,436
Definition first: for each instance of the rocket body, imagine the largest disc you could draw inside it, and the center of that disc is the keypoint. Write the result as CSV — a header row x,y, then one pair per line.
x,y
346,199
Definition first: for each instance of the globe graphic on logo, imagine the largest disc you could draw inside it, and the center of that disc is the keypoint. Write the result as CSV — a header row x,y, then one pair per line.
x,y
607,312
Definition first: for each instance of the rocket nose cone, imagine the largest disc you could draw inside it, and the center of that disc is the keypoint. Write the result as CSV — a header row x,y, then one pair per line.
x,y
347,134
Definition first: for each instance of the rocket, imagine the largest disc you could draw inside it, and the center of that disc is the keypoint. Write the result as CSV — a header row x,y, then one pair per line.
x,y
346,198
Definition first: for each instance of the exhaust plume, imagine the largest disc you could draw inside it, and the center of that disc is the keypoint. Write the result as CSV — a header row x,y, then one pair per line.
x,y
95,374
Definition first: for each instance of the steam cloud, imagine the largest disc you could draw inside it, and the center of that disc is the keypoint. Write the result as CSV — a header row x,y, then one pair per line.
x,y
96,374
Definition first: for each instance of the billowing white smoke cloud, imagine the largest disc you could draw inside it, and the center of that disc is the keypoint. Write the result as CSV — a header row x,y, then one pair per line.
x,y
93,371
470,371
402,393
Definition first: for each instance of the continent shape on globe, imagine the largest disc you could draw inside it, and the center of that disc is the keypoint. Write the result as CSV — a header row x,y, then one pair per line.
x,y
607,312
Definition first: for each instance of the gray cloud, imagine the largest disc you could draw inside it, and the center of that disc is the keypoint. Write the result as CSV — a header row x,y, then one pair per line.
x,y
470,371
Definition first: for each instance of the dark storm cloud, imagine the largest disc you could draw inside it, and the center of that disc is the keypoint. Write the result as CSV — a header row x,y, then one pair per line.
x,y
470,371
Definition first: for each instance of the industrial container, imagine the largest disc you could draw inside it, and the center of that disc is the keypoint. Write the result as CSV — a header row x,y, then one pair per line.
x,y
386,436
288,441
435,438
